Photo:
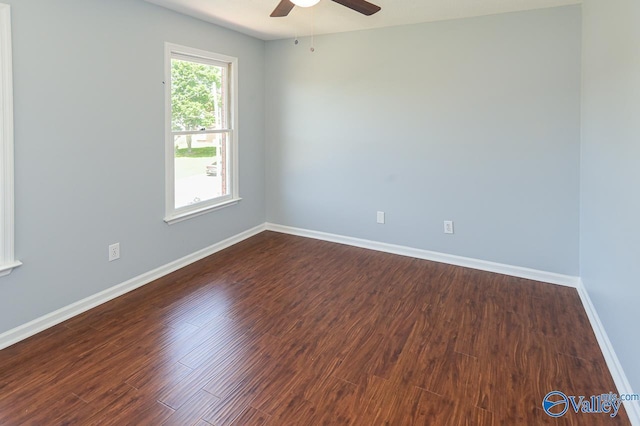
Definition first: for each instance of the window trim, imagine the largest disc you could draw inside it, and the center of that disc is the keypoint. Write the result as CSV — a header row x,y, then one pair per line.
x,y
7,260
173,215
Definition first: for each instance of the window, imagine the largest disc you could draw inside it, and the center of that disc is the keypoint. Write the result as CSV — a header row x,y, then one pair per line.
x,y
201,151
7,262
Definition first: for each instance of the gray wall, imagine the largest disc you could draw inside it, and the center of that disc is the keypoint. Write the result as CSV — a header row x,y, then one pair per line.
x,y
610,204
89,148
474,120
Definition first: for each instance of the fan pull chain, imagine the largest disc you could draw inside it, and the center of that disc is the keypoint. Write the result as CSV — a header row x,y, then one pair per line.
x,y
313,30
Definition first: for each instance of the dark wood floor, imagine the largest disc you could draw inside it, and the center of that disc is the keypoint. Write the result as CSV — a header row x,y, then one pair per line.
x,y
283,330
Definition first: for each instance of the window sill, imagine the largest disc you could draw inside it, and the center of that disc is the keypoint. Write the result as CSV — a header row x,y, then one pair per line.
x,y
179,217
8,267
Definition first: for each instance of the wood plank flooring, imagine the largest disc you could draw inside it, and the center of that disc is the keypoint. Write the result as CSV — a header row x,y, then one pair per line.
x,y
283,330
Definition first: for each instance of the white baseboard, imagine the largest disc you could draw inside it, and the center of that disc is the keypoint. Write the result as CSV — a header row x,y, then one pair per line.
x,y
483,265
40,324
613,363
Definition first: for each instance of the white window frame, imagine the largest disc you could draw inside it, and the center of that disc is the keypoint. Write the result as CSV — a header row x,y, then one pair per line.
x,y
173,214
7,261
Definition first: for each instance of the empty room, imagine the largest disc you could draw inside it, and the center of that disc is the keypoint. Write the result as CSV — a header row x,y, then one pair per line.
x,y
319,212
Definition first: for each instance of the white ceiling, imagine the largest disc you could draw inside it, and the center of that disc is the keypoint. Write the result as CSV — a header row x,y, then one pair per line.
x,y
252,16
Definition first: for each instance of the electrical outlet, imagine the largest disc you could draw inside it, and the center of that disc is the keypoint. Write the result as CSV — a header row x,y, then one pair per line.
x,y
114,252
448,227
380,217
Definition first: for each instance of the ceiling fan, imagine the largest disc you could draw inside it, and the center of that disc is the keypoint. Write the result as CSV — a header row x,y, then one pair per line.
x,y
362,6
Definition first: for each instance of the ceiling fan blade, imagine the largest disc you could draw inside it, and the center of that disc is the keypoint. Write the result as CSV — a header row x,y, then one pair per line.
x,y
361,6
282,9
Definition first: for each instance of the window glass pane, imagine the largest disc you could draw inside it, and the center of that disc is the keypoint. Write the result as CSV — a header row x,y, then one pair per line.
x,y
197,96
201,164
